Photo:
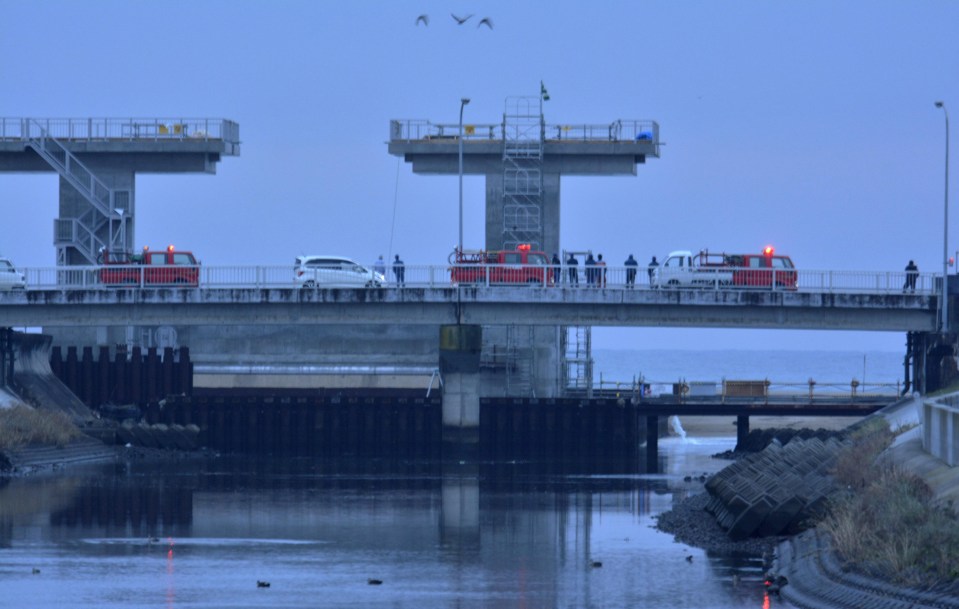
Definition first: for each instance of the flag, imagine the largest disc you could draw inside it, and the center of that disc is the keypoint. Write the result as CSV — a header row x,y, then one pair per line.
x,y
543,92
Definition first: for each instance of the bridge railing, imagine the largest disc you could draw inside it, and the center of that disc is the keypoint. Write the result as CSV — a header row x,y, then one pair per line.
x,y
547,277
128,128
761,390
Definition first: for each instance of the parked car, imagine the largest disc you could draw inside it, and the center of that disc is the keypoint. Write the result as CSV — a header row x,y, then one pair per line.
x,y
160,267
10,277
334,272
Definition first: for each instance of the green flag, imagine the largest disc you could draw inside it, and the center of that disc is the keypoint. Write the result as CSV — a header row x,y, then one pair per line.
x,y
543,92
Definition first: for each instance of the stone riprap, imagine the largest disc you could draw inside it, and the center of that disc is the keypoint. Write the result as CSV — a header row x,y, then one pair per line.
x,y
775,491
173,437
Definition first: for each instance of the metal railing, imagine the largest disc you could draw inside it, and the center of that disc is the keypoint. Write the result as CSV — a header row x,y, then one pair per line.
x,y
128,128
940,428
538,277
759,390
616,131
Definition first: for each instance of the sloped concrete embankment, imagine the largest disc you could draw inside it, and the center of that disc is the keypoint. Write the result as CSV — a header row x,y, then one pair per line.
x,y
36,385
817,581
777,491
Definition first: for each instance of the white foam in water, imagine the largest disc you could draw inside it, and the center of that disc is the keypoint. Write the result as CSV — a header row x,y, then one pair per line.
x,y
677,427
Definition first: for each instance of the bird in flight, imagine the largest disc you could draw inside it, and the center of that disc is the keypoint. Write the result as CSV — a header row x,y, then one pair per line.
x,y
425,19
487,22
460,20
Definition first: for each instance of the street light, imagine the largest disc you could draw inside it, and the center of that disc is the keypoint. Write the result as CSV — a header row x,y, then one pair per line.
x,y
463,103
944,305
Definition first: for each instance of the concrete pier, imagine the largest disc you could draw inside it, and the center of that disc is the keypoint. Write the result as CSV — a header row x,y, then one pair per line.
x,y
460,348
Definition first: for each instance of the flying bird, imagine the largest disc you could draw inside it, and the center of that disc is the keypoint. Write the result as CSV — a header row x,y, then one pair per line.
x,y
425,19
461,20
487,22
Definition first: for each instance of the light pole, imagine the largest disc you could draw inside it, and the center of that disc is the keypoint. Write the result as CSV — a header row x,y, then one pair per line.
x,y
944,306
463,103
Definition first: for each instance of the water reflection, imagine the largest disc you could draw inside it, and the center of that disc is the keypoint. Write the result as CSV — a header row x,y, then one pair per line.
x,y
202,533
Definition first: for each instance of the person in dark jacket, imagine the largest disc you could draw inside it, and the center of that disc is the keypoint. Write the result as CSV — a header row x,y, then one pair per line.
x,y
630,265
912,273
573,265
556,269
399,269
652,269
590,271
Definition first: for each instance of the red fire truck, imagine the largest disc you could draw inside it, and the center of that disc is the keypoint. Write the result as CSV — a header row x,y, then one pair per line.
x,y
153,268
502,267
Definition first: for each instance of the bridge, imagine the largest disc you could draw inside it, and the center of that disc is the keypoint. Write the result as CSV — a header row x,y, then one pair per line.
x,y
264,295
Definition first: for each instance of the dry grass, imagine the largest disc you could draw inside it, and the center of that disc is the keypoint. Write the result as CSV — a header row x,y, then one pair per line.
x,y
21,426
886,524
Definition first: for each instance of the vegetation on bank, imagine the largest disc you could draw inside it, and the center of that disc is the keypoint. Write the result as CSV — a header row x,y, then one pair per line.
x,y
21,426
885,523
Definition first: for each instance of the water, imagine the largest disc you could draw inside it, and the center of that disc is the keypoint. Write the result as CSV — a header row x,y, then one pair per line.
x,y
201,532
437,535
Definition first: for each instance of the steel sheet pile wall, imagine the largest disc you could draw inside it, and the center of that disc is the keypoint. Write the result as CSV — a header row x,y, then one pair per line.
x,y
560,428
129,378
309,425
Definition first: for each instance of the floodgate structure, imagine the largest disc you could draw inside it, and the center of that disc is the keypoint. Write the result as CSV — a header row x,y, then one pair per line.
x,y
249,330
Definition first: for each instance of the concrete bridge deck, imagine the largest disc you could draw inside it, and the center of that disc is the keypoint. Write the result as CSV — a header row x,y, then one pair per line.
x,y
478,305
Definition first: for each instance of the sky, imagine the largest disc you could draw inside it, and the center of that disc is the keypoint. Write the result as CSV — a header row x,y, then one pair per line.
x,y
809,125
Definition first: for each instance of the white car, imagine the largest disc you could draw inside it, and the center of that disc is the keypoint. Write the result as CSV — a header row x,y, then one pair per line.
x,y
10,277
334,272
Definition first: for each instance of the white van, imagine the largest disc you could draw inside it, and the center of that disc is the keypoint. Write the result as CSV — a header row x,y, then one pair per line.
x,y
334,272
10,277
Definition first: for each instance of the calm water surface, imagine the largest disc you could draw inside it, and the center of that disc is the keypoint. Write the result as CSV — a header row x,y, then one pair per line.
x,y
202,533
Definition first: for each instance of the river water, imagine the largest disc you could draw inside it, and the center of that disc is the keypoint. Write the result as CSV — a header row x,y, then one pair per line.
x,y
203,531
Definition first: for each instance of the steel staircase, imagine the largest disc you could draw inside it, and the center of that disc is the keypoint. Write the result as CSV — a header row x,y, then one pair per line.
x,y
103,224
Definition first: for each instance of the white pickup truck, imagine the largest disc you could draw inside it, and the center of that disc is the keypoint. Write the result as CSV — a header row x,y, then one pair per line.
x,y
683,268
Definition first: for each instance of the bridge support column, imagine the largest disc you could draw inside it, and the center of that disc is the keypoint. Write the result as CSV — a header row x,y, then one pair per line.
x,y
460,347
742,429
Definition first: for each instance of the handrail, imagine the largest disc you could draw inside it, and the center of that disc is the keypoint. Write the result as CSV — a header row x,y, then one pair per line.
x,y
555,277
125,128
735,389
616,131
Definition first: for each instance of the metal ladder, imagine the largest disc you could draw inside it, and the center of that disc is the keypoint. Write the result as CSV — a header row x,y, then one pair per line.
x,y
104,223
520,361
578,359
523,172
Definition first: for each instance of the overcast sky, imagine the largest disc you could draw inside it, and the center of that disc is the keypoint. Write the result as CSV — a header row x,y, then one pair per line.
x,y
806,125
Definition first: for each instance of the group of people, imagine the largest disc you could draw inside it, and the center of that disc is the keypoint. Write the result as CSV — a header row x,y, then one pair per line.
x,y
596,270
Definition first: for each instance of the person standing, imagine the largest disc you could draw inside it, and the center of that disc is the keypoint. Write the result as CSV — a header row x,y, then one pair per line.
x,y
380,266
630,265
573,265
652,269
600,271
557,271
912,273
590,271
399,269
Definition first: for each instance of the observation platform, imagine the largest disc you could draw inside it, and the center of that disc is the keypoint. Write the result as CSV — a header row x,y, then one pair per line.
x,y
97,160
